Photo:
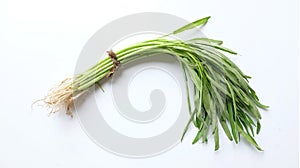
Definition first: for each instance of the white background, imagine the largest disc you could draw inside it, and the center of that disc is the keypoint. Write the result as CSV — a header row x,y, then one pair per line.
x,y
41,40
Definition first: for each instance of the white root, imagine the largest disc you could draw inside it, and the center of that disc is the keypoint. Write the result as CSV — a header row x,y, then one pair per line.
x,y
61,97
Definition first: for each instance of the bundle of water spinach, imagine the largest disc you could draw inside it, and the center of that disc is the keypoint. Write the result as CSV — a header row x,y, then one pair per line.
x,y
222,95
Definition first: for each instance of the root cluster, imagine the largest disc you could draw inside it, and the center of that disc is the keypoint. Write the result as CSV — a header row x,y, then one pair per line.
x,y
60,97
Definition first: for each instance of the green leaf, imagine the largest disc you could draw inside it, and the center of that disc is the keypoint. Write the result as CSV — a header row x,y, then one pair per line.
x,y
99,85
218,42
207,100
248,124
187,125
187,88
216,46
189,122
249,119
204,135
261,105
258,126
213,115
232,122
245,124
198,136
205,129
216,138
192,25
217,85
249,138
226,129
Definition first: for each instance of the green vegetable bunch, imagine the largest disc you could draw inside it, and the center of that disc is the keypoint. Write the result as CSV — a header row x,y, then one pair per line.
x,y
222,95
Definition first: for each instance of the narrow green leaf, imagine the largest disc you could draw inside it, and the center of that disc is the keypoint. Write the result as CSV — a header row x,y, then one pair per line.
x,y
232,122
252,131
192,25
99,85
261,105
198,136
198,100
218,42
205,130
233,99
247,122
249,138
216,138
226,129
255,111
249,119
217,85
232,113
207,100
189,122
187,88
217,47
213,115
200,122
258,126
